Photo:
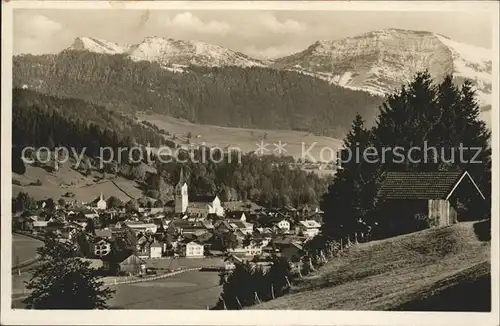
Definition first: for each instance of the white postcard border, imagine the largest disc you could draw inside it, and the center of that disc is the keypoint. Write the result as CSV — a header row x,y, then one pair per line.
x,y
249,317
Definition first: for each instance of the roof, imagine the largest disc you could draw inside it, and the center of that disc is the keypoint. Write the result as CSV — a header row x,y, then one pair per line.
x,y
239,224
235,214
310,224
242,205
104,233
422,185
202,199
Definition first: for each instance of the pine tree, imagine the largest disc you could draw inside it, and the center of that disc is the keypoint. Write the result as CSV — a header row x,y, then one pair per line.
x,y
65,282
350,196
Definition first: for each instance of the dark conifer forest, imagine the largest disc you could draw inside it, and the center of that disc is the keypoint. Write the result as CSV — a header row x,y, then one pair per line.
x,y
225,96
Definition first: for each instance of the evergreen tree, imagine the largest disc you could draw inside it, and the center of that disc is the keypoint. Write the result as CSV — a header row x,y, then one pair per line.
x,y
65,282
351,195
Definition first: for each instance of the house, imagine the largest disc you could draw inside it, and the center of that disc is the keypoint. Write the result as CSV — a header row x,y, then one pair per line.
x,y
178,226
192,250
138,226
283,225
103,233
231,261
244,227
132,264
102,247
222,226
253,250
309,228
143,250
442,196
156,250
292,251
54,226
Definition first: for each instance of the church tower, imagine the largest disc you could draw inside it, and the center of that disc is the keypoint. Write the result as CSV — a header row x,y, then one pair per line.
x,y
181,195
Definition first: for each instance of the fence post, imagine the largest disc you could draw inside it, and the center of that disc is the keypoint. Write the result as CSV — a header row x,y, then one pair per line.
x,y
223,302
257,297
272,290
288,281
239,303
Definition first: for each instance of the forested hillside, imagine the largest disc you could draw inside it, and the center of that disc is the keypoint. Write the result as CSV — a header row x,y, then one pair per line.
x,y
226,96
41,120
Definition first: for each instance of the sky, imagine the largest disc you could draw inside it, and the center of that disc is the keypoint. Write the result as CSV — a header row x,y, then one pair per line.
x,y
261,34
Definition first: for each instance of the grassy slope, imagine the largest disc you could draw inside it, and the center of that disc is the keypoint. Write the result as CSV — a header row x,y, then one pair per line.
x,y
54,185
426,270
245,139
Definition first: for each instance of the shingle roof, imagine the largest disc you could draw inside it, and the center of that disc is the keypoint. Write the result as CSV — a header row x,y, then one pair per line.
x,y
418,185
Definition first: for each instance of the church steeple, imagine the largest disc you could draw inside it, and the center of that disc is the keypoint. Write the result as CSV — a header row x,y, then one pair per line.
x,y
181,194
181,178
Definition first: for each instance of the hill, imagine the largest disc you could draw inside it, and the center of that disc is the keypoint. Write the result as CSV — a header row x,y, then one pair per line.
x,y
43,120
85,188
426,270
382,60
231,96
245,139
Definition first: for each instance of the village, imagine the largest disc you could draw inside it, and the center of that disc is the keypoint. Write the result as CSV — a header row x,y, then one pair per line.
x,y
120,242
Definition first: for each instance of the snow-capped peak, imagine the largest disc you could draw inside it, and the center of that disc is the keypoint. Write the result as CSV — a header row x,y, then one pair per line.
x,y
169,52
92,44
381,61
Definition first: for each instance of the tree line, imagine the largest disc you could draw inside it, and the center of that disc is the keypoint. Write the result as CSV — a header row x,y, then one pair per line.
x,y
226,96
440,114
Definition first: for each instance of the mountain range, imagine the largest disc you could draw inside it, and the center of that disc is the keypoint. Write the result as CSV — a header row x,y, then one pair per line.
x,y
318,90
377,62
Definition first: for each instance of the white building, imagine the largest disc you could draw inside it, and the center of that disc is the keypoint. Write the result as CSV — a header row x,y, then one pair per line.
x,y
193,250
155,250
102,248
284,225
309,228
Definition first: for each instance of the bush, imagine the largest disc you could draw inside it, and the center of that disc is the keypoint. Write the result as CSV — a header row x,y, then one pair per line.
x,y
36,183
423,221
153,194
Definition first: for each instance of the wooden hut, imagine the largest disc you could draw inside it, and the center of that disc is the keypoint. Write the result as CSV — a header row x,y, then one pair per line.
x,y
439,195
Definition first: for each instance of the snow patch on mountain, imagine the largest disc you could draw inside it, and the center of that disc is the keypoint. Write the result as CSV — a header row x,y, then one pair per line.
x,y
473,63
381,61
92,44
170,53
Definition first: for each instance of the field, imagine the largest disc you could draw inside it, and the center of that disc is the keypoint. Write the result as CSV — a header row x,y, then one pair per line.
x,y
247,139
437,269
56,184
190,290
24,248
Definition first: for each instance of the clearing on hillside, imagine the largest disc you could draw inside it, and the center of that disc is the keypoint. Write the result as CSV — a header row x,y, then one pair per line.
x,y
85,188
437,269
248,139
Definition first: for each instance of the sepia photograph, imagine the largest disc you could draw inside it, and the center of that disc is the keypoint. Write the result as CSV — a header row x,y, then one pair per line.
x,y
335,160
